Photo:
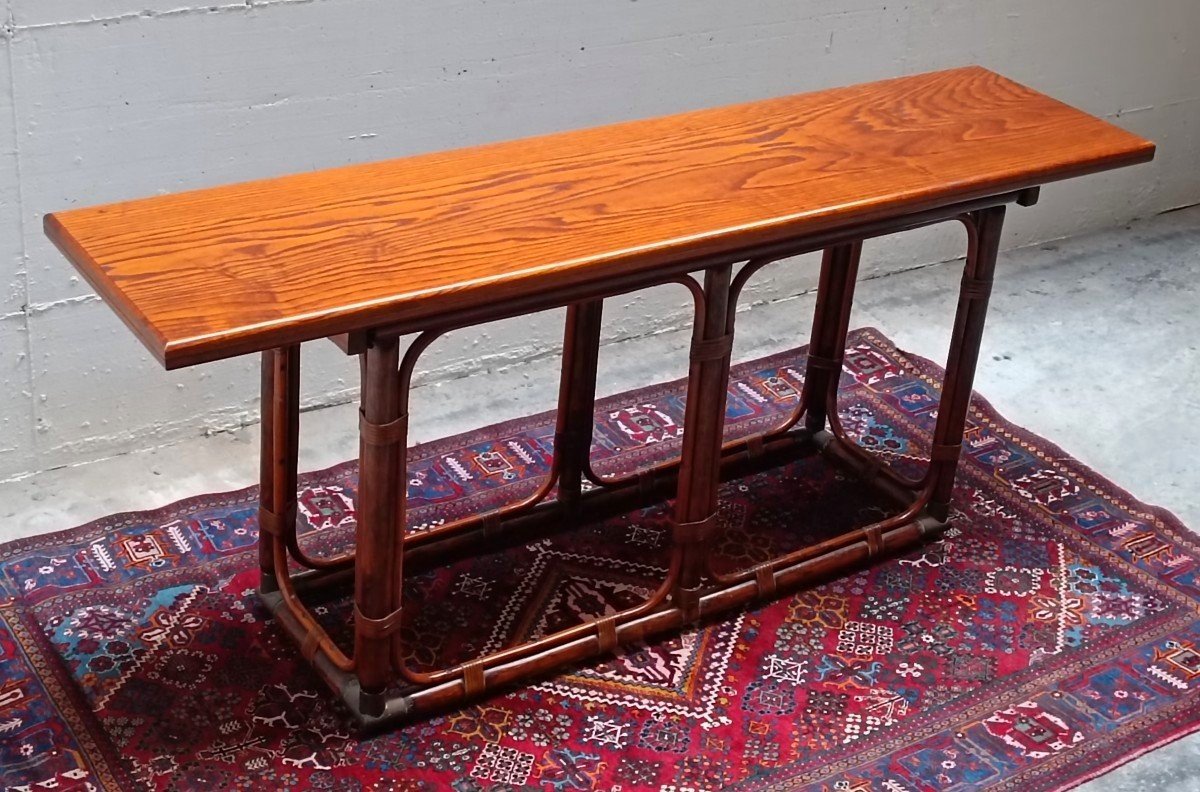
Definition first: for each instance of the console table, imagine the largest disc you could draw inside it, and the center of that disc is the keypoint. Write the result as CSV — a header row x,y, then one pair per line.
x,y
368,254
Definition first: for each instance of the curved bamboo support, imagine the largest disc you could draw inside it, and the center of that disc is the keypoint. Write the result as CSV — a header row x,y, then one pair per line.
x,y
599,627
315,638
473,673
873,535
644,478
277,499
489,520
493,518
877,466
735,292
752,447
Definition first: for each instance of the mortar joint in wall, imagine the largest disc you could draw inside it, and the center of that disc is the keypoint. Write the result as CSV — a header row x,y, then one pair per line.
x,y
239,6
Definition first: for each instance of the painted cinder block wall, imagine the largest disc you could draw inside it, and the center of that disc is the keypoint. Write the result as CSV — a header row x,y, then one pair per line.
x,y
102,100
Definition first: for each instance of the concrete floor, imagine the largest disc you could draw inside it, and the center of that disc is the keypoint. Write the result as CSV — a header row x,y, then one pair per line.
x,y
1093,342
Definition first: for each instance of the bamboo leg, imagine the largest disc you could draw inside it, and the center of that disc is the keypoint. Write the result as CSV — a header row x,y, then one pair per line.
x,y
703,427
831,322
984,229
577,398
278,456
381,516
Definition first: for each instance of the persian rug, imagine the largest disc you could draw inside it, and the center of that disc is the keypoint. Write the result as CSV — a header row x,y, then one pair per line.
x,y
1050,635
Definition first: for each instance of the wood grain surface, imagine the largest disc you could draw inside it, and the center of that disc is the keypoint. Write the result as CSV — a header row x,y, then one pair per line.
x,y
219,272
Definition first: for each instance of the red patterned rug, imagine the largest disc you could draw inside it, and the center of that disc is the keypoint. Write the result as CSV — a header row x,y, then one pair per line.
x,y
1049,636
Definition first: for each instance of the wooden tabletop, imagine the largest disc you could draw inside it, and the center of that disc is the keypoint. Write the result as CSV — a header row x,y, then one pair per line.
x,y
219,272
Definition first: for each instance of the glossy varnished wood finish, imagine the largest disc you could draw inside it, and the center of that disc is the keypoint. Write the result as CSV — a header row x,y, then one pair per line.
x,y
216,273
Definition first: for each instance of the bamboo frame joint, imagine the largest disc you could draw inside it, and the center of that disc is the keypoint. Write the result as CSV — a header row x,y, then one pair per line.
x,y
277,525
376,628
945,452
571,441
822,363
372,704
756,446
689,602
491,523
975,288
606,634
764,580
310,645
474,678
385,434
875,544
696,532
707,349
